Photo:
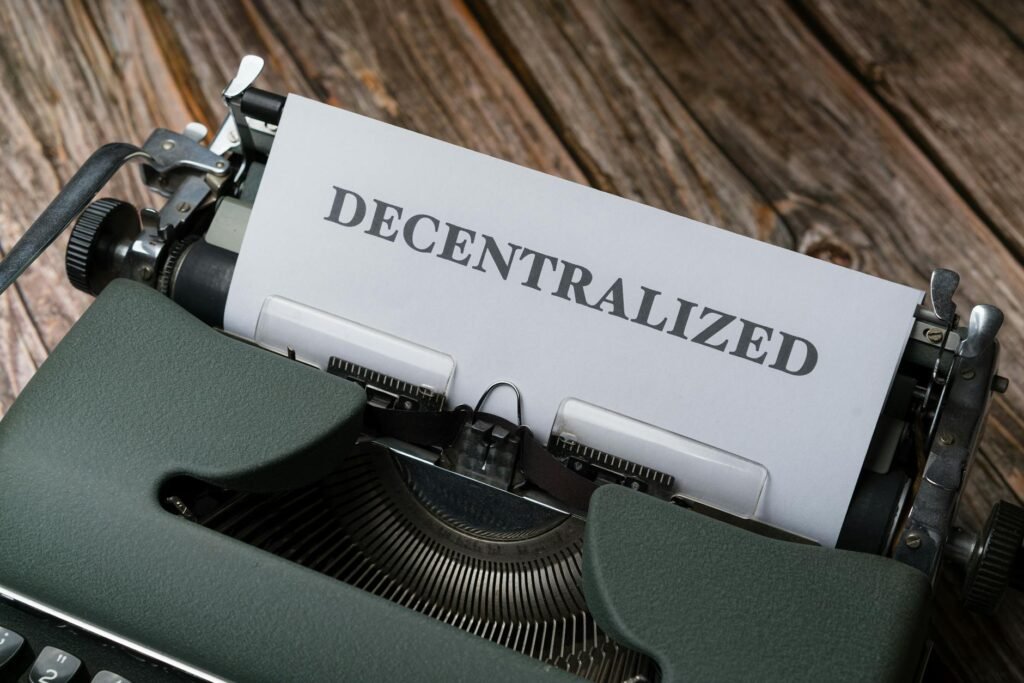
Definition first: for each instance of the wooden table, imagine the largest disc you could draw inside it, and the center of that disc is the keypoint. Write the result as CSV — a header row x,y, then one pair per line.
x,y
883,135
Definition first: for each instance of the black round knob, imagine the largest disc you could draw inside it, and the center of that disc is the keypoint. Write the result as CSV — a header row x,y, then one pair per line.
x,y
93,258
997,561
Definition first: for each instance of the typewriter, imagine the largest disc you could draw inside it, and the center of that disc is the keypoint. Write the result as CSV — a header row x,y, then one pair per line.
x,y
178,505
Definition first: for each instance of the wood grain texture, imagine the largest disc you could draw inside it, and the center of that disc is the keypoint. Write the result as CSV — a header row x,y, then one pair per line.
x,y
768,119
70,80
845,180
423,66
955,80
834,164
1008,14
627,129
806,137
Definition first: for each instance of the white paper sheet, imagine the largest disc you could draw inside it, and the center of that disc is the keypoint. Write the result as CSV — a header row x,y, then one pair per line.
x,y
810,430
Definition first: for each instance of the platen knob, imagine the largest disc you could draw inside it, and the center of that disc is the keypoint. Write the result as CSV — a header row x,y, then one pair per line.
x,y
99,243
997,561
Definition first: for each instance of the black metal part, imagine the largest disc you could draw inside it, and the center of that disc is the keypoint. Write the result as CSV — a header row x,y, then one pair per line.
x,y
488,450
262,105
251,183
199,278
104,229
386,391
605,467
69,202
174,253
997,561
873,512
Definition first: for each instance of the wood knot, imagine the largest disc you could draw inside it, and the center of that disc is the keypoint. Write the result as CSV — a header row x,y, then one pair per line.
x,y
875,73
373,83
832,251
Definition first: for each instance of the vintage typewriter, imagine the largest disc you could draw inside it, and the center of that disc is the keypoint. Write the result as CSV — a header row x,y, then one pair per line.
x,y
176,504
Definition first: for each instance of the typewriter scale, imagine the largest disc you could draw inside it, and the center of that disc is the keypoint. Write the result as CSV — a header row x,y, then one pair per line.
x,y
459,519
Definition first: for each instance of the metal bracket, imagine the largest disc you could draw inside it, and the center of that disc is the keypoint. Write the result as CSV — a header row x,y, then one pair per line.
x,y
922,540
181,169
170,151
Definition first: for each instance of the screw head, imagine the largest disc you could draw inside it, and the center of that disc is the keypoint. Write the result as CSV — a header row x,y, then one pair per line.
x,y
933,335
145,272
183,207
947,439
967,374
913,540
167,145
219,165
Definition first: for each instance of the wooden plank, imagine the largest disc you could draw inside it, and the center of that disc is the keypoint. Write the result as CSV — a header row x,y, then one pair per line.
x,y
955,79
628,130
1008,14
70,80
46,129
424,66
205,54
832,162
376,77
21,350
845,179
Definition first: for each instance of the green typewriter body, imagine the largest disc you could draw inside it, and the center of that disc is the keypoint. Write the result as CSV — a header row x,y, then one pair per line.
x,y
178,505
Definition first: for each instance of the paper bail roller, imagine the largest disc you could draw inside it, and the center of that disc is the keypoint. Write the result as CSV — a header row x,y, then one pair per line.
x,y
687,468
390,364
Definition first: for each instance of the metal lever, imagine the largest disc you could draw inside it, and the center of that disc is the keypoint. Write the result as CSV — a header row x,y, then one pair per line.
x,y
248,71
943,286
981,330
68,203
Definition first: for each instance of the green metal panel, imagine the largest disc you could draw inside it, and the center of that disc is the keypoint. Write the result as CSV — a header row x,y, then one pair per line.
x,y
711,602
140,391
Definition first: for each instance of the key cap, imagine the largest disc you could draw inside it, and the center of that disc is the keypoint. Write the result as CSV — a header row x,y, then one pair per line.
x,y
10,645
109,677
54,666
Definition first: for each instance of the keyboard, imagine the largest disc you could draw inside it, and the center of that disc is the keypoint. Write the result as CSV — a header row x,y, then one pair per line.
x,y
36,647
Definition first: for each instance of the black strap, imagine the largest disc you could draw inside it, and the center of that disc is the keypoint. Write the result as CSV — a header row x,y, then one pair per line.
x,y
419,428
542,468
548,473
